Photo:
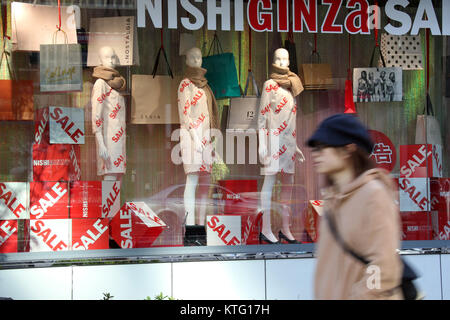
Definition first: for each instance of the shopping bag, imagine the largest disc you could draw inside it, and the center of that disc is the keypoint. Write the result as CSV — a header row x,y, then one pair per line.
x,y
33,25
428,130
316,75
119,33
243,111
221,72
60,66
153,97
403,51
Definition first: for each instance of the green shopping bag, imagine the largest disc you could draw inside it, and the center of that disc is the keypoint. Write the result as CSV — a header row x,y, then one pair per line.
x,y
221,72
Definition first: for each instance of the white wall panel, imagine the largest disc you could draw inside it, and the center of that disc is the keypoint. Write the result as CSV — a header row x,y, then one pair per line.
x,y
123,282
217,280
445,267
36,284
428,268
290,279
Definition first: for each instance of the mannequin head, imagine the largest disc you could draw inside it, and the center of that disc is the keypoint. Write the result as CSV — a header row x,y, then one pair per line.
x,y
194,58
281,58
108,57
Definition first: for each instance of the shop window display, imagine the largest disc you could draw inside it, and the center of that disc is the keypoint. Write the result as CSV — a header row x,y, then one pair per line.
x,y
120,127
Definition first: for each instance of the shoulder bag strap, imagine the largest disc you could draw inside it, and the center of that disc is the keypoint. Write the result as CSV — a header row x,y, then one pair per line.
x,y
337,236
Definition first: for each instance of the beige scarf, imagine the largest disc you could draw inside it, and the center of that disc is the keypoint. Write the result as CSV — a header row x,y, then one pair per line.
x,y
197,76
287,79
111,76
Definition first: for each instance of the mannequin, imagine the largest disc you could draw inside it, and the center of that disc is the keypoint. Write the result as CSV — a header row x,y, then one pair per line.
x,y
278,148
108,117
198,113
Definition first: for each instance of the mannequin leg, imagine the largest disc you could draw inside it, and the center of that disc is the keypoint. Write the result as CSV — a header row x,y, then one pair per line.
x,y
287,180
203,193
266,203
189,197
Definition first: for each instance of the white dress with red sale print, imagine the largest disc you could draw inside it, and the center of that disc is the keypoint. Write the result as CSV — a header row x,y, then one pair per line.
x,y
194,115
277,117
109,117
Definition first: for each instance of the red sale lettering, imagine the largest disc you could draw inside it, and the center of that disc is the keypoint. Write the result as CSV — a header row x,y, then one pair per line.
x,y
118,135
104,96
99,122
119,160
112,196
257,20
280,129
304,15
271,87
282,150
265,110
91,236
417,160
116,110
126,229
186,107
222,232
184,85
47,236
281,105
415,195
328,25
63,121
294,109
8,230
196,98
41,128
356,21
10,200
198,122
48,201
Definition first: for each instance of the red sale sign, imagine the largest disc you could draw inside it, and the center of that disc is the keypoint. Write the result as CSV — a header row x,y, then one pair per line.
x,y
135,225
420,161
14,200
414,194
416,226
50,235
8,236
90,234
49,200
223,230
58,162
312,216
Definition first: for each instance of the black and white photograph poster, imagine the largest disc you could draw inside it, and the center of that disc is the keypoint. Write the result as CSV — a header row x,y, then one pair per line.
x,y
377,84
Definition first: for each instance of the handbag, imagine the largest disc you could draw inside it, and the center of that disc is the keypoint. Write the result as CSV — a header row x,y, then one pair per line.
x,y
221,72
428,130
407,286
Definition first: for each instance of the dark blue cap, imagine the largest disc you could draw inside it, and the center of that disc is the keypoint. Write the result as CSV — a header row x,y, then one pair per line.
x,y
340,130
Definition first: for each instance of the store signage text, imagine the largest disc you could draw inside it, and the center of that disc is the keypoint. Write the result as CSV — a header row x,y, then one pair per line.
x,y
261,15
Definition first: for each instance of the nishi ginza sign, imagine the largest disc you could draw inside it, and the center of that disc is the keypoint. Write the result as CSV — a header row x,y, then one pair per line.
x,y
298,15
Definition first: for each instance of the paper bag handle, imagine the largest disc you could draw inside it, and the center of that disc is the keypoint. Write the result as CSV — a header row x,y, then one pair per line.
x,y
155,66
55,36
217,46
255,86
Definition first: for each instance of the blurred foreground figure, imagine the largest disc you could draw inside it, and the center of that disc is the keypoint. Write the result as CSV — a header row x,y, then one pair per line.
x,y
360,214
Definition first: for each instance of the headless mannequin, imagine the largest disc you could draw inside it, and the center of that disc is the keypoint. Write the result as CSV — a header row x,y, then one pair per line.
x,y
108,59
197,177
281,59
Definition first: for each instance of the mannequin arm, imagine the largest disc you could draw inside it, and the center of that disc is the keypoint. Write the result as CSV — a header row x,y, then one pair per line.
x,y
300,156
184,108
264,112
102,151
97,117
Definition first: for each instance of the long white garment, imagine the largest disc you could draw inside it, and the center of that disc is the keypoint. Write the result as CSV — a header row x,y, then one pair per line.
x,y
195,137
109,117
277,117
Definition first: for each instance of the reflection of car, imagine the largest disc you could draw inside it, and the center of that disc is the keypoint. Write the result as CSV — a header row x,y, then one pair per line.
x,y
168,204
